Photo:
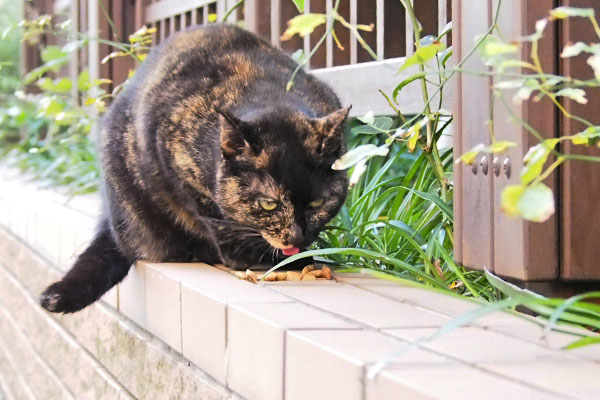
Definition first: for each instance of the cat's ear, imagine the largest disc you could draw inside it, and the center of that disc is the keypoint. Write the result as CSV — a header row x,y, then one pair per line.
x,y
329,133
232,140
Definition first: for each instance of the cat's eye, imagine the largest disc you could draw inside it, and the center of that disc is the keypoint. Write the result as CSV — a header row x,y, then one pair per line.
x,y
316,203
268,204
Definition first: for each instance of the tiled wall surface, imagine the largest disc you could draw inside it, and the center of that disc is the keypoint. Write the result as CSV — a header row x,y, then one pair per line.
x,y
194,331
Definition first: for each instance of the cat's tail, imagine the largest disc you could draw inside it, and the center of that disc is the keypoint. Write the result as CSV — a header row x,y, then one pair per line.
x,y
96,270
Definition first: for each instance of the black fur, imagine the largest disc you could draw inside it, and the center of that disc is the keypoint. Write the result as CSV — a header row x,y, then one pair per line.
x,y
204,133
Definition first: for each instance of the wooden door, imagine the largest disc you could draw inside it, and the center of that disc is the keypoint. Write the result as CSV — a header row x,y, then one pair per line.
x,y
564,246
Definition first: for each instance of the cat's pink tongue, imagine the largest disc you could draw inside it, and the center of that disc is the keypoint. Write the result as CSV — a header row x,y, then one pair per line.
x,y
291,251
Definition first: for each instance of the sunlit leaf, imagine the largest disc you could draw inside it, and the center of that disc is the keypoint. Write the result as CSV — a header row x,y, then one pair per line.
x,y
565,12
535,159
299,5
594,62
574,94
303,25
359,153
533,203
423,54
368,118
584,137
51,53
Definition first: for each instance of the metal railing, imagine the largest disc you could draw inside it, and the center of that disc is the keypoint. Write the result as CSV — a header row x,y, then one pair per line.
x,y
351,71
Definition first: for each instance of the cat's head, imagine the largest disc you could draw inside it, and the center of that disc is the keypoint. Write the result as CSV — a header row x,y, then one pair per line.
x,y
275,173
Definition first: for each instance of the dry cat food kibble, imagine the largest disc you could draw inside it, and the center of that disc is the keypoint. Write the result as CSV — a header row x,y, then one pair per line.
x,y
309,273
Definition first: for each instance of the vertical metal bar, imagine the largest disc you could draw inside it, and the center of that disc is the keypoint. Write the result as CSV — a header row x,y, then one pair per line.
x,y
205,14
353,41
250,16
194,16
221,9
163,26
307,37
275,25
329,39
409,33
380,29
232,19
172,23
93,45
74,58
442,18
182,22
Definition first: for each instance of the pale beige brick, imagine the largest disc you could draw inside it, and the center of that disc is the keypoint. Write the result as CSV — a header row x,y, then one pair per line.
x,y
359,305
318,361
460,382
256,344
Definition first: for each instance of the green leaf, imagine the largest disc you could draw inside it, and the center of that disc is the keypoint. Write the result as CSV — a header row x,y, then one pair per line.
x,y
368,118
61,85
510,290
533,203
303,25
494,48
497,147
535,159
594,62
83,81
583,342
566,12
359,153
299,5
405,82
470,156
574,94
445,207
51,53
593,133
423,54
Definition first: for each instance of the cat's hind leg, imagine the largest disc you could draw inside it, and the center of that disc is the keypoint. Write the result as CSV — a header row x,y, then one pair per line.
x,y
96,270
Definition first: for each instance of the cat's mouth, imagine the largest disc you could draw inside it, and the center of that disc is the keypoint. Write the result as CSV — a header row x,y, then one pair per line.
x,y
288,250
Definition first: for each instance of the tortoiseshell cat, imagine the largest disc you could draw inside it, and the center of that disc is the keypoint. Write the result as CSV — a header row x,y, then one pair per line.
x,y
206,157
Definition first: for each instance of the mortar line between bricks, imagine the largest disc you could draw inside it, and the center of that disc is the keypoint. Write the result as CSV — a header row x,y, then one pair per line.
x,y
30,299
23,336
447,356
487,328
11,361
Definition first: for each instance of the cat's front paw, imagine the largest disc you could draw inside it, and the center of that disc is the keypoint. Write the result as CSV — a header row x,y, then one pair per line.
x,y
59,298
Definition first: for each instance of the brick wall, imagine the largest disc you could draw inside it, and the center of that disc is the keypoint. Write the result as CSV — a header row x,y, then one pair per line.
x,y
94,354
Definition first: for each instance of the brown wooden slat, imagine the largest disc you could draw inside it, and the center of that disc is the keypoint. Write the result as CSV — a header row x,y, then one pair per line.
x,y
524,250
457,138
477,190
580,181
367,14
319,59
426,12
395,29
258,17
288,11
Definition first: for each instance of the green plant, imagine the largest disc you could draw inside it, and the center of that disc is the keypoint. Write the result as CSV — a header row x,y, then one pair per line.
x,y
532,199
48,133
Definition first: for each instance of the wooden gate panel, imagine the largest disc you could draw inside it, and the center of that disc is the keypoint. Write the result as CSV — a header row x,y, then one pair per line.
x,y
580,181
524,250
476,189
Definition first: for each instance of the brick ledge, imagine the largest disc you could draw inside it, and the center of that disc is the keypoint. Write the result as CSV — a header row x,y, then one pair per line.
x,y
266,341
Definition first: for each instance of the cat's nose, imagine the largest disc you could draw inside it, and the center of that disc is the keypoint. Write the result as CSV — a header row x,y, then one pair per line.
x,y
296,238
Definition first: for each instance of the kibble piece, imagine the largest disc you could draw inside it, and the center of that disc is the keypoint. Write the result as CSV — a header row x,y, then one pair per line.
x,y
317,273
308,269
251,276
309,277
281,276
326,272
270,277
294,276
